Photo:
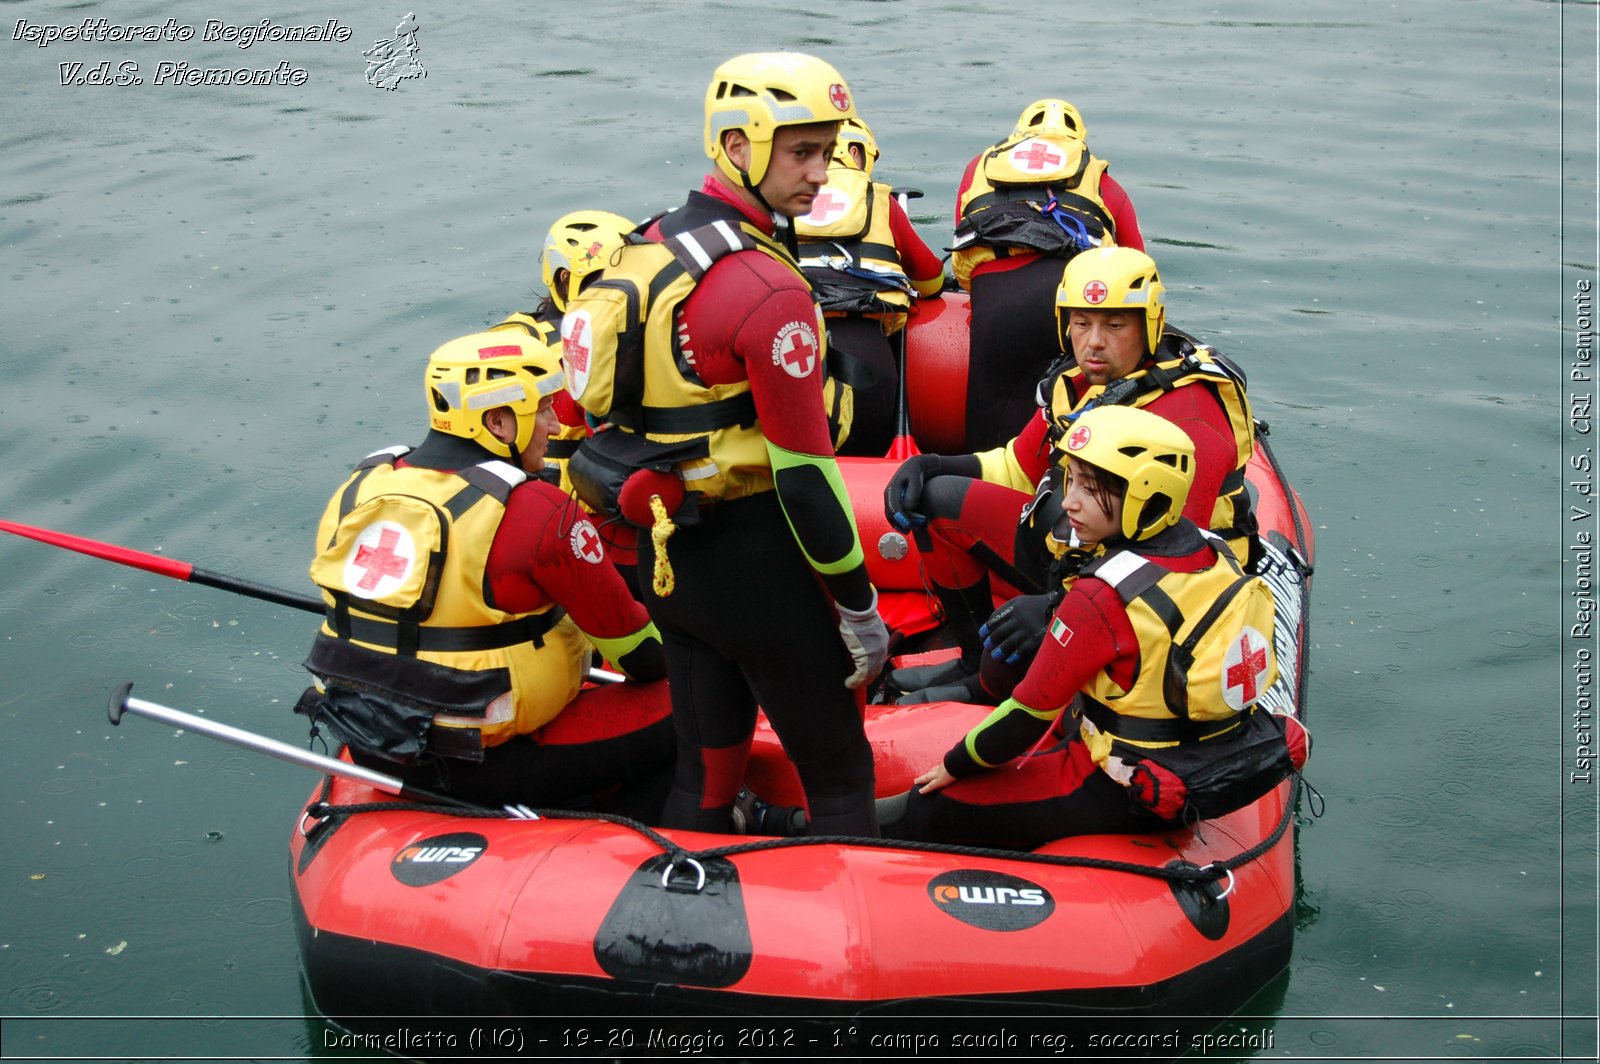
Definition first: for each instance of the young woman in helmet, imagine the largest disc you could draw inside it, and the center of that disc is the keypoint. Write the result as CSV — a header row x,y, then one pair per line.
x,y
866,264
1032,772
771,600
1024,205
987,514
466,596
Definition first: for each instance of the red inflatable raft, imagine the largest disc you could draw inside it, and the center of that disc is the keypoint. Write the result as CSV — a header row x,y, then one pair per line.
x,y
408,911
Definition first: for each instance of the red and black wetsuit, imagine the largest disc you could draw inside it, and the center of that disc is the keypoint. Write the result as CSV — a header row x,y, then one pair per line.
x,y
749,620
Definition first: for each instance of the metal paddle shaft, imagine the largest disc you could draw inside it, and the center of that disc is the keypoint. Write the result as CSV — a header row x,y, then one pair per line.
x,y
122,701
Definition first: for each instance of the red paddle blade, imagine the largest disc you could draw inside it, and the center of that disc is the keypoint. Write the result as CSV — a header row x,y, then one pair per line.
x,y
153,563
903,447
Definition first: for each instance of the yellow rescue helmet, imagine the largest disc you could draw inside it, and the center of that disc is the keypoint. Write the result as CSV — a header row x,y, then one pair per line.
x,y
1050,116
760,92
1154,456
855,131
1112,278
579,243
474,374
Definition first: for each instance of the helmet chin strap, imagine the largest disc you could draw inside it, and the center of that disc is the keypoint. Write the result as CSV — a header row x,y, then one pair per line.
x,y
755,190
782,224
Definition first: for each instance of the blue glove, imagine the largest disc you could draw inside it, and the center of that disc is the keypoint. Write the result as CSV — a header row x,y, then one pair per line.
x,y
1017,628
902,496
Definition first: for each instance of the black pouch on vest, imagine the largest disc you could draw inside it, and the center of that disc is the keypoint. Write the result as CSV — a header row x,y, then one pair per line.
x,y
604,461
384,703
1203,780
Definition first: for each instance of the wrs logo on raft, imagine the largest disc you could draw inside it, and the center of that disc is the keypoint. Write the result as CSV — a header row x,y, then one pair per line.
x,y
993,901
438,858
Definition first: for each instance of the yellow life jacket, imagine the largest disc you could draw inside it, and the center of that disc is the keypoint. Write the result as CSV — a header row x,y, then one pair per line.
x,y
625,364
1179,363
1205,652
847,249
401,561
1031,192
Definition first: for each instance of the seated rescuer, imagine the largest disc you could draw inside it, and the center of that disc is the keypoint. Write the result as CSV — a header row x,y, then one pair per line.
x,y
1165,644
577,247
466,597
1026,205
703,350
989,512
865,262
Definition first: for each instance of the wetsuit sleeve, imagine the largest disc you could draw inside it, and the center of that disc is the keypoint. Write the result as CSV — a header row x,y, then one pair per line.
x,y
1021,463
817,505
548,550
1084,638
924,269
778,344
1122,213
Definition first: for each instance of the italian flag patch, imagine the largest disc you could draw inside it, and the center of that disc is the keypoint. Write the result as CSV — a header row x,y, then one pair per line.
x,y
1060,632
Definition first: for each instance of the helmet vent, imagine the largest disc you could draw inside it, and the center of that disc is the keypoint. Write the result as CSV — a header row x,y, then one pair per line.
x,y
784,97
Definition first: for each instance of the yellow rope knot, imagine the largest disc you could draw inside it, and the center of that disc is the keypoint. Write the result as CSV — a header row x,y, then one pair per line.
x,y
662,580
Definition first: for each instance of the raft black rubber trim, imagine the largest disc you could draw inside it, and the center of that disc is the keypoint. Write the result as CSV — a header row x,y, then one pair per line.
x,y
1175,873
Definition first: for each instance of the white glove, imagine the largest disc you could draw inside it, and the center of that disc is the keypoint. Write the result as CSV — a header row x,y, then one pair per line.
x,y
867,640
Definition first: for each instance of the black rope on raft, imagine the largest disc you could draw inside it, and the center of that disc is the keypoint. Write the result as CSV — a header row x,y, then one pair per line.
x,y
1177,873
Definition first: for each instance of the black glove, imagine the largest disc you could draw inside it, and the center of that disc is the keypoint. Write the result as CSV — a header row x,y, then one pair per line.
x,y
902,496
1017,628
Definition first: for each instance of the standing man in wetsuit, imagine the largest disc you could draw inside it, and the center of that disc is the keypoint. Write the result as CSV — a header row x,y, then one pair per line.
x,y
714,365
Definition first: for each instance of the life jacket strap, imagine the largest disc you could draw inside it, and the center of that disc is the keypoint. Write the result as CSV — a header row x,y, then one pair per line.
x,y
390,634
1151,730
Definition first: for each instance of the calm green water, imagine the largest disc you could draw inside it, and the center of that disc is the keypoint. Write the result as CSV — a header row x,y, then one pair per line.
x,y
216,298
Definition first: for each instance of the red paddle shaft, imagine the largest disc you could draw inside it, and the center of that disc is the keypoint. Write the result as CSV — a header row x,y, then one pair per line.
x,y
155,563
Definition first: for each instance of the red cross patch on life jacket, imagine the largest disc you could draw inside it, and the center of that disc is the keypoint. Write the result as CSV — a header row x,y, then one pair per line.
x,y
1035,155
826,207
380,558
1244,670
577,333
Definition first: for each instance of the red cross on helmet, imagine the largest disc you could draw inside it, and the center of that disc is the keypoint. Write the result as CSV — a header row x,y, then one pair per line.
x,y
759,92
